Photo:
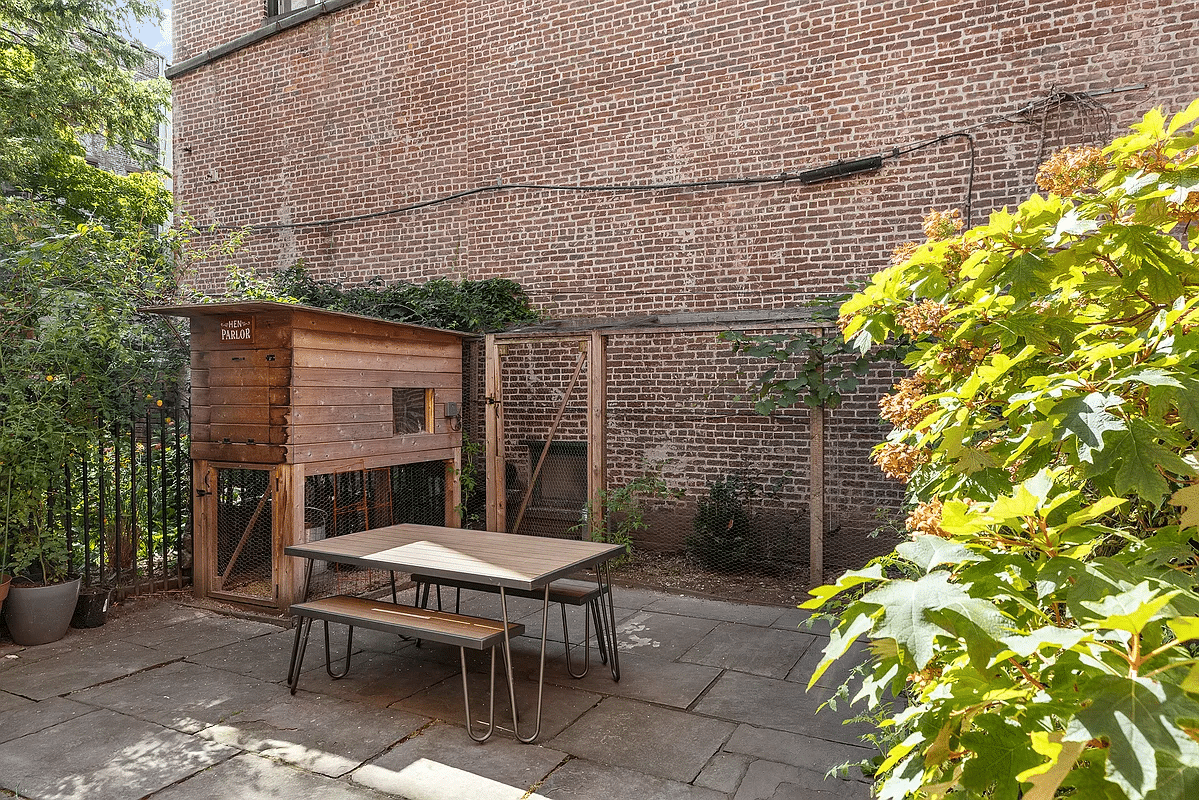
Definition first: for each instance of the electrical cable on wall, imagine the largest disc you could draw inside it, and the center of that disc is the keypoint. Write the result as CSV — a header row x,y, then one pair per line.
x,y
836,170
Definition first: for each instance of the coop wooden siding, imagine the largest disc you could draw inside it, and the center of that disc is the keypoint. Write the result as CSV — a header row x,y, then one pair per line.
x,y
408,449
344,371
413,366
400,341
240,389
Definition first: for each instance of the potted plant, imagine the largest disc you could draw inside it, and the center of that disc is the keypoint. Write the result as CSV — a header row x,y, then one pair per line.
x,y
71,356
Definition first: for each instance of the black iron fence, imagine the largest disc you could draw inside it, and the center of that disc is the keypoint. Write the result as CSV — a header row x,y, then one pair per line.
x,y
125,503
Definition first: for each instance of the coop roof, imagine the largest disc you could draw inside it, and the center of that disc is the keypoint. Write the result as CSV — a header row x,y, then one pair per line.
x,y
264,306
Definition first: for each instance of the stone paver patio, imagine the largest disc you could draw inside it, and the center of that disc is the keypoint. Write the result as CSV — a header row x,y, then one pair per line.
x,y
172,700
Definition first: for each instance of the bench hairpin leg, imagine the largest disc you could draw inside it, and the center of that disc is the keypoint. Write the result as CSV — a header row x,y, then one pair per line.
x,y
328,657
545,614
470,730
297,653
586,644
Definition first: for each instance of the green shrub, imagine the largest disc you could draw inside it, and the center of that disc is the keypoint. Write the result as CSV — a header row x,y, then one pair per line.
x,y
1044,628
724,537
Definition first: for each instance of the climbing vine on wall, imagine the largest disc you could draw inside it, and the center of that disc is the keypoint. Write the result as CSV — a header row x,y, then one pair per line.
x,y
471,306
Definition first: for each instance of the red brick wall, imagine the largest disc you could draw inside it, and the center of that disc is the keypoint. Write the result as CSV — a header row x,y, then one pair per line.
x,y
386,103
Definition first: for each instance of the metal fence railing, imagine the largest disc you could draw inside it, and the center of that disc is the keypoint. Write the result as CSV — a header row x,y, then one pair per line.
x,y
124,505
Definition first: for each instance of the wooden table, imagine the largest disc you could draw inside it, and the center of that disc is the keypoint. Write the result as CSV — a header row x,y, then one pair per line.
x,y
503,560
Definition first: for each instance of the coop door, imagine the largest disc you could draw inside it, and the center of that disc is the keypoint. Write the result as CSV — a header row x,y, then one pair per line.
x,y
244,566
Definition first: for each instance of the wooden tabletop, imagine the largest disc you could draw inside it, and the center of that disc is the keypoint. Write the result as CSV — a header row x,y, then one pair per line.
x,y
497,559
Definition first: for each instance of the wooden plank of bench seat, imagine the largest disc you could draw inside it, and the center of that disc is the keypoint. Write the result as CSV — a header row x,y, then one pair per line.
x,y
563,590
477,633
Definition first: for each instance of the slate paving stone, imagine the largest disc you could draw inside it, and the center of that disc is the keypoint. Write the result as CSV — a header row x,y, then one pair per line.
x,y
319,734
499,759
187,638
560,706
666,683
767,780
8,702
724,772
704,608
796,749
89,664
644,738
753,699
747,648
250,777
583,780
103,755
577,620
665,636
13,656
33,717
262,657
632,598
487,604
184,696
138,615
800,620
381,678
837,672
428,779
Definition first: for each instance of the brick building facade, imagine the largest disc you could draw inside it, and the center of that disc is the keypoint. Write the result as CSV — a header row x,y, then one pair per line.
x,y
354,110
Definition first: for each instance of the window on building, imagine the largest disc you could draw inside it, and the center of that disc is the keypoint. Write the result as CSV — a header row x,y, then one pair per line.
x,y
279,8
410,409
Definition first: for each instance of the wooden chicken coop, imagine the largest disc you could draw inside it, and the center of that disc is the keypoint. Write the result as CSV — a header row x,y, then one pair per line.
x,y
309,423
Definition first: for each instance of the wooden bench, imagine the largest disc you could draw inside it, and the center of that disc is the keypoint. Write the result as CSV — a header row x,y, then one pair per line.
x,y
458,630
565,592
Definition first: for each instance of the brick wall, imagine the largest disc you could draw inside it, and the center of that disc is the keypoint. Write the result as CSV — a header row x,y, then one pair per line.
x,y
386,103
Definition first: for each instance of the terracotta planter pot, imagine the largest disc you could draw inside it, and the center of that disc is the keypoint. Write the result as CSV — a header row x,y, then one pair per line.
x,y
40,614
5,580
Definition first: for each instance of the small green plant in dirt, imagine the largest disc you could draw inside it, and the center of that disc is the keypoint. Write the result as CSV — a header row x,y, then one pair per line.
x,y
624,507
724,536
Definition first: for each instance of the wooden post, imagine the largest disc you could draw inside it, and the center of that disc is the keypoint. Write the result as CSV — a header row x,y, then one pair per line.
x,y
816,498
203,527
453,490
597,431
290,527
494,436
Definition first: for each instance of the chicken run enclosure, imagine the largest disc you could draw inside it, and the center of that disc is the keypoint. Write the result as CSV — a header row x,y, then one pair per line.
x,y
641,429
308,423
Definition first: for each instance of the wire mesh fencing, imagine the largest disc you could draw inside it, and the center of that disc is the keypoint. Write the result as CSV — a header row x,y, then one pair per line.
x,y
711,496
348,501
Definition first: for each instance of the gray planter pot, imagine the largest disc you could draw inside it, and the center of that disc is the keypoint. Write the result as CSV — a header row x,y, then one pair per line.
x,y
40,614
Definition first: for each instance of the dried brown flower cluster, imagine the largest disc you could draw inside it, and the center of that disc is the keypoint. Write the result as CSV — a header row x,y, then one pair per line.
x,y
901,408
926,518
956,254
962,355
1072,169
938,225
924,319
902,253
898,460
